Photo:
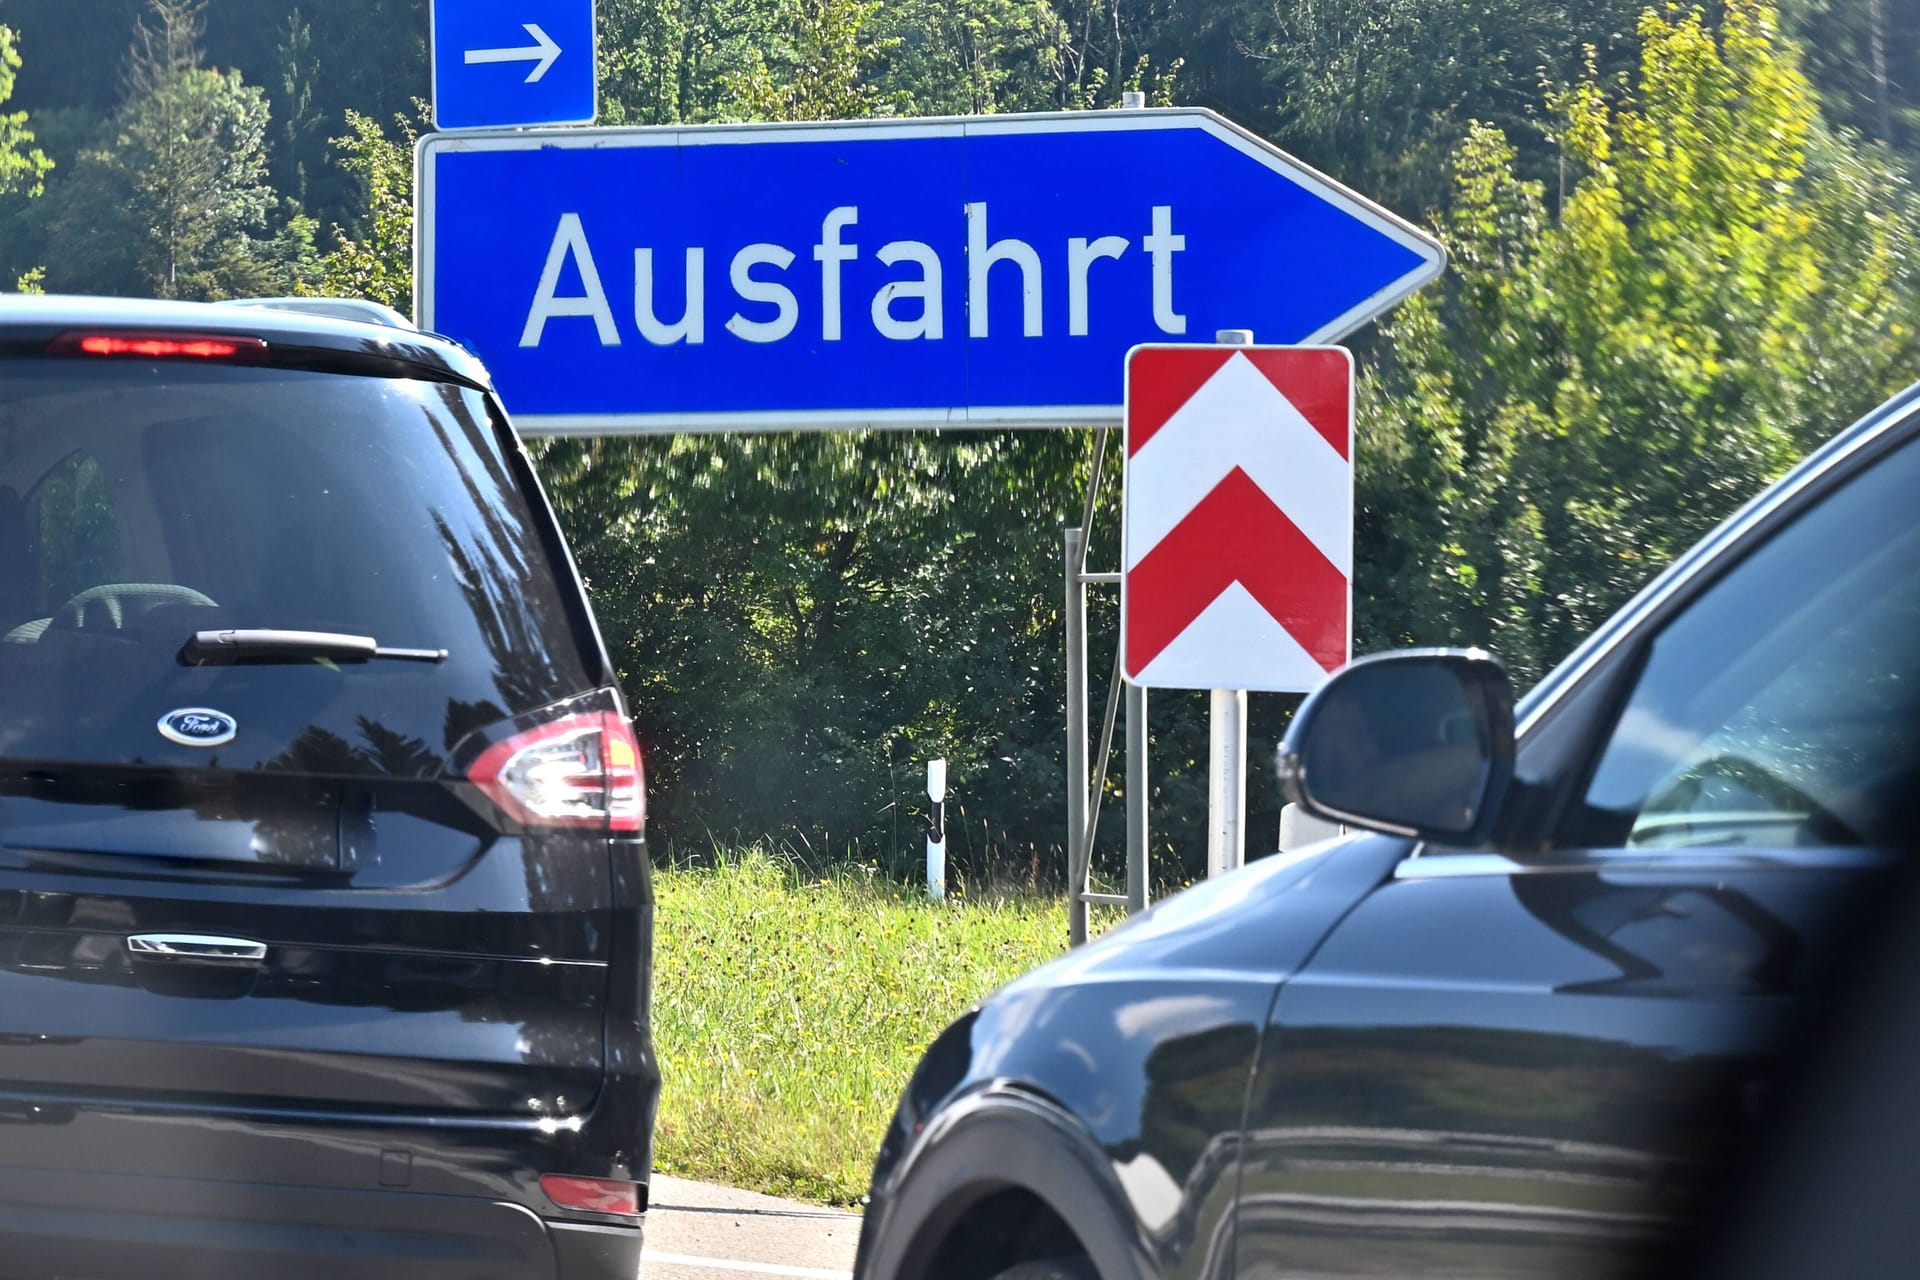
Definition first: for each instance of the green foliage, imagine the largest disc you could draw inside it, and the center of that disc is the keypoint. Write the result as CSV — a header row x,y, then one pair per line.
x,y
173,199
788,1008
801,621
192,155
812,68
968,57
377,263
300,122
1864,58
1379,92
1724,284
23,166
673,61
316,59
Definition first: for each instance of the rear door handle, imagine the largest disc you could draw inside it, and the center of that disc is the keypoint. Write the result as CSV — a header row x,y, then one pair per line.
x,y
195,948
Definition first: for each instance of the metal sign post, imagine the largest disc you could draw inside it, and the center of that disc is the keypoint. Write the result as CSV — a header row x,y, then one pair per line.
x,y
1076,734
1227,745
1226,780
1136,799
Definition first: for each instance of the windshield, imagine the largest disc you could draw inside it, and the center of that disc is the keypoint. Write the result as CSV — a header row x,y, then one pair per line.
x,y
143,503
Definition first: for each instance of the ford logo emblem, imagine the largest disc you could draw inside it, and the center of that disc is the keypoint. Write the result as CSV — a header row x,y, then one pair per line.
x,y
198,727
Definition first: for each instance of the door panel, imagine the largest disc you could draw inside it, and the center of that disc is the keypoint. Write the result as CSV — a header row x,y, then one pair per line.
x,y
1496,1071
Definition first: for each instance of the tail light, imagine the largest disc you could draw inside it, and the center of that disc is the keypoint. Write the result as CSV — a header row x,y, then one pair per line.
x,y
137,345
578,771
596,1195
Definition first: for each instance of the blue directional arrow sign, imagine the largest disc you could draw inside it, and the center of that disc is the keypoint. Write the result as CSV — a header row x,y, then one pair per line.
x,y
513,63
987,271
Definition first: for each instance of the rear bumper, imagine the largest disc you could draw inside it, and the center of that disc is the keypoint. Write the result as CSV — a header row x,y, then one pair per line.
x,y
103,1227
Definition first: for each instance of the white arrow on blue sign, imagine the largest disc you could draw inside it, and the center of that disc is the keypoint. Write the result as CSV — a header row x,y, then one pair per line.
x,y
986,271
513,63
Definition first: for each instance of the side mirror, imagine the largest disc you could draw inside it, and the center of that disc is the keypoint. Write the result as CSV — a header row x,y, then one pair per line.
x,y
1416,743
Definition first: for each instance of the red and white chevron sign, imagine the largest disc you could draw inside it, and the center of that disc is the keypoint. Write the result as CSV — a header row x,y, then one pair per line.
x,y
1238,516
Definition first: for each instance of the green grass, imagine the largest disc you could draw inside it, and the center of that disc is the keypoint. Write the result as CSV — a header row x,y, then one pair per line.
x,y
789,1011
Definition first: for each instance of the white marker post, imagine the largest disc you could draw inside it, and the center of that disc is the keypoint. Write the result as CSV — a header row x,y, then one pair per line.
x,y
1227,746
937,829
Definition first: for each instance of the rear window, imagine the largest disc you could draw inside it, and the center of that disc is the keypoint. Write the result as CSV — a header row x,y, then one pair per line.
x,y
140,503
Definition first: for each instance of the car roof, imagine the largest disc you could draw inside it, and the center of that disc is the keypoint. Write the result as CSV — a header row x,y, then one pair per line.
x,y
28,319
342,308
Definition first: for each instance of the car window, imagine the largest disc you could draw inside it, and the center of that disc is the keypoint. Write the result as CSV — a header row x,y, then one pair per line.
x,y
140,504
76,533
1782,706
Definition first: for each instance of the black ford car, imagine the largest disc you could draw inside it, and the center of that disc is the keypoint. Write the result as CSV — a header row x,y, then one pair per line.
x,y
325,921
1517,1028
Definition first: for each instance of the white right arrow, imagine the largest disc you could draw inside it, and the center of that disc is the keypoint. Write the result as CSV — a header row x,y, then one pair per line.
x,y
542,51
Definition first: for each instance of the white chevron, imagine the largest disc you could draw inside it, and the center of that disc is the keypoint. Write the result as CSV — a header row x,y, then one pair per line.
x,y
1238,418
1233,644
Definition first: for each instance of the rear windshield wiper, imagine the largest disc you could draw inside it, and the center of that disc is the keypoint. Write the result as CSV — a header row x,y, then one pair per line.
x,y
292,646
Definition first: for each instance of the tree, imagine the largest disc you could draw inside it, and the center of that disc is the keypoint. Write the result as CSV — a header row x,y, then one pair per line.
x,y
1378,93
801,620
1864,56
23,166
194,152
813,68
968,57
1725,283
300,123
377,264
676,61
175,198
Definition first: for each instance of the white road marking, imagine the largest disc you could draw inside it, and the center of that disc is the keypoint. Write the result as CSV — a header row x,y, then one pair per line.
x,y
756,1268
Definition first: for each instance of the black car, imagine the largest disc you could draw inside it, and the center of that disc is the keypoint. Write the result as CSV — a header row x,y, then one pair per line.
x,y
325,919
1515,1030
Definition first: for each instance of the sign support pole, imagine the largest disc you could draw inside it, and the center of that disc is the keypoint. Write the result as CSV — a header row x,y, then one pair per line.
x,y
1083,791
1136,799
1227,746
1076,735
1226,782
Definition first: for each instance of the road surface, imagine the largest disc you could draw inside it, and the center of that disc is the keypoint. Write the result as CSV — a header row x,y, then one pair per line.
x,y
701,1232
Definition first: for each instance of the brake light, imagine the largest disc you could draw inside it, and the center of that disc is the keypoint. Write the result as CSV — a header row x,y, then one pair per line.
x,y
134,345
578,771
596,1195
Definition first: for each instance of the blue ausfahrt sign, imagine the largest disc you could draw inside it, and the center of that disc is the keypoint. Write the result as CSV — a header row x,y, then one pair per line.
x,y
512,63
978,272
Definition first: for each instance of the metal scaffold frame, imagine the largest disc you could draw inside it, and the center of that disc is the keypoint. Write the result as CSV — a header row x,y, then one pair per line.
x,y
1084,790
